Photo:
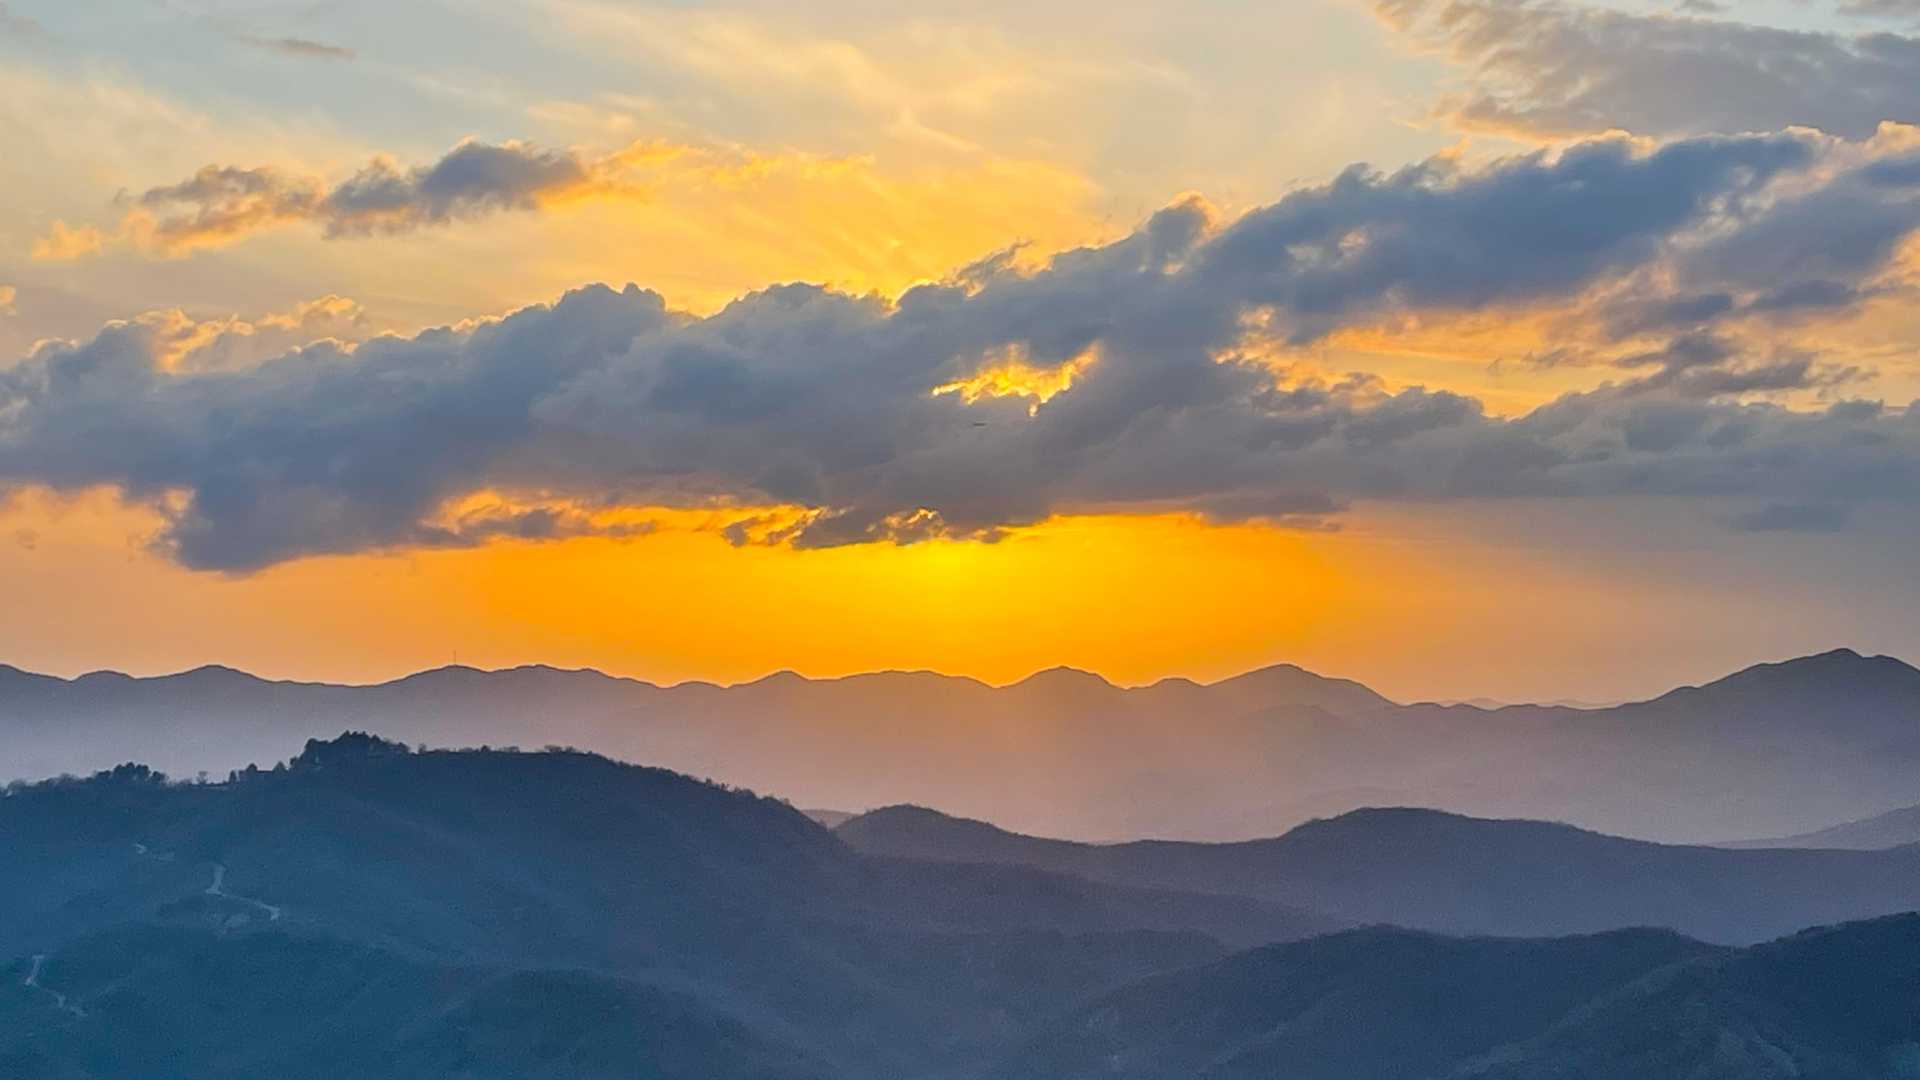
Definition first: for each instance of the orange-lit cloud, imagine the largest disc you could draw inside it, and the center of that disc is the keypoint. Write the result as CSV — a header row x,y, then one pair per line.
x,y
64,242
1120,377
1009,372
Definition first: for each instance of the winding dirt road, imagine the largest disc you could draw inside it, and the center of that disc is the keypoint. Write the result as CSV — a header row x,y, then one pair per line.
x,y
32,982
219,889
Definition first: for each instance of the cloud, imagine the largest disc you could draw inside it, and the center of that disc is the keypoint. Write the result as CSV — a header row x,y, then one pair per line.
x,y
1539,69
64,242
1881,9
181,344
18,26
220,204
1794,517
1144,375
298,47
8,294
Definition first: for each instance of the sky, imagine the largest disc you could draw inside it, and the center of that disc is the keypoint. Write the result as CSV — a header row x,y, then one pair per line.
x,y
1471,348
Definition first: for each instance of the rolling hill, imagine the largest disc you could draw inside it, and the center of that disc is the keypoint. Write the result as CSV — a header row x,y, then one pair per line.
x,y
1380,1004
415,888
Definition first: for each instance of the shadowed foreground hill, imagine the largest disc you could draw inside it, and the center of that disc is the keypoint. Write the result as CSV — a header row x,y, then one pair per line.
x,y
178,1003
532,893
1375,1004
1835,1004
1445,872
1773,750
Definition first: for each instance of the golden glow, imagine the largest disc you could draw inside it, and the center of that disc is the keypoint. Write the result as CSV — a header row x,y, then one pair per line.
x,y
1008,372
1134,598
1416,603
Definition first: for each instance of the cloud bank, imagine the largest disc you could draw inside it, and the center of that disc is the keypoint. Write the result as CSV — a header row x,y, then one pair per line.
x,y
1147,375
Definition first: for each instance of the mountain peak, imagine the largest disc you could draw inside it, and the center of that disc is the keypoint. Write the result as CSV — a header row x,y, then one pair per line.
x,y
784,678
1834,671
1386,822
1291,684
1064,678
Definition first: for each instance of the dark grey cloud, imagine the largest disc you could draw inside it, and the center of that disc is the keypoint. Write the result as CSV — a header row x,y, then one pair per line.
x,y
846,406
473,179
1559,69
1814,253
1532,227
219,204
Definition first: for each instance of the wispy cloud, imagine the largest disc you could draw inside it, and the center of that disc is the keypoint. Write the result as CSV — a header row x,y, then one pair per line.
x,y
302,48
1552,70
15,25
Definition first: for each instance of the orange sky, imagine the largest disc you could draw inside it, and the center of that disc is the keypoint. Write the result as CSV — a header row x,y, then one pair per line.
x,y
1418,606
725,148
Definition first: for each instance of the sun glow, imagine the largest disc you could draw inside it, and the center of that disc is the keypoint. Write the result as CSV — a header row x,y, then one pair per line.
x,y
1010,372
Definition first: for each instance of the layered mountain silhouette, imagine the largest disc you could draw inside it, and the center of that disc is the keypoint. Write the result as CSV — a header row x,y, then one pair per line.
x,y
374,911
1775,750
508,914
1439,871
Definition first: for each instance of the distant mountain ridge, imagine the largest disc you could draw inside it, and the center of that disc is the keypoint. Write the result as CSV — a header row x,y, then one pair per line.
x,y
1448,873
1069,753
1894,828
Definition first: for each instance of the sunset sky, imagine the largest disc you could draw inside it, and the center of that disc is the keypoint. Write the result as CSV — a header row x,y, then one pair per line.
x,y
1464,347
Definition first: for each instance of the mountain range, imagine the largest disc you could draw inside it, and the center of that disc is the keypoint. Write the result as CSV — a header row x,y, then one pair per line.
x,y
372,910
1437,871
1774,750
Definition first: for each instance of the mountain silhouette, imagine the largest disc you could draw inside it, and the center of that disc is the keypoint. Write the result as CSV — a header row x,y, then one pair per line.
x,y
1775,750
1891,829
477,883
1383,1004
1373,1004
1446,872
394,913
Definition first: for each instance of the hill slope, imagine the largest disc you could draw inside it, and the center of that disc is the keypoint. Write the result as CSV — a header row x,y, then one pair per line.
x,y
1832,1004
1373,1004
